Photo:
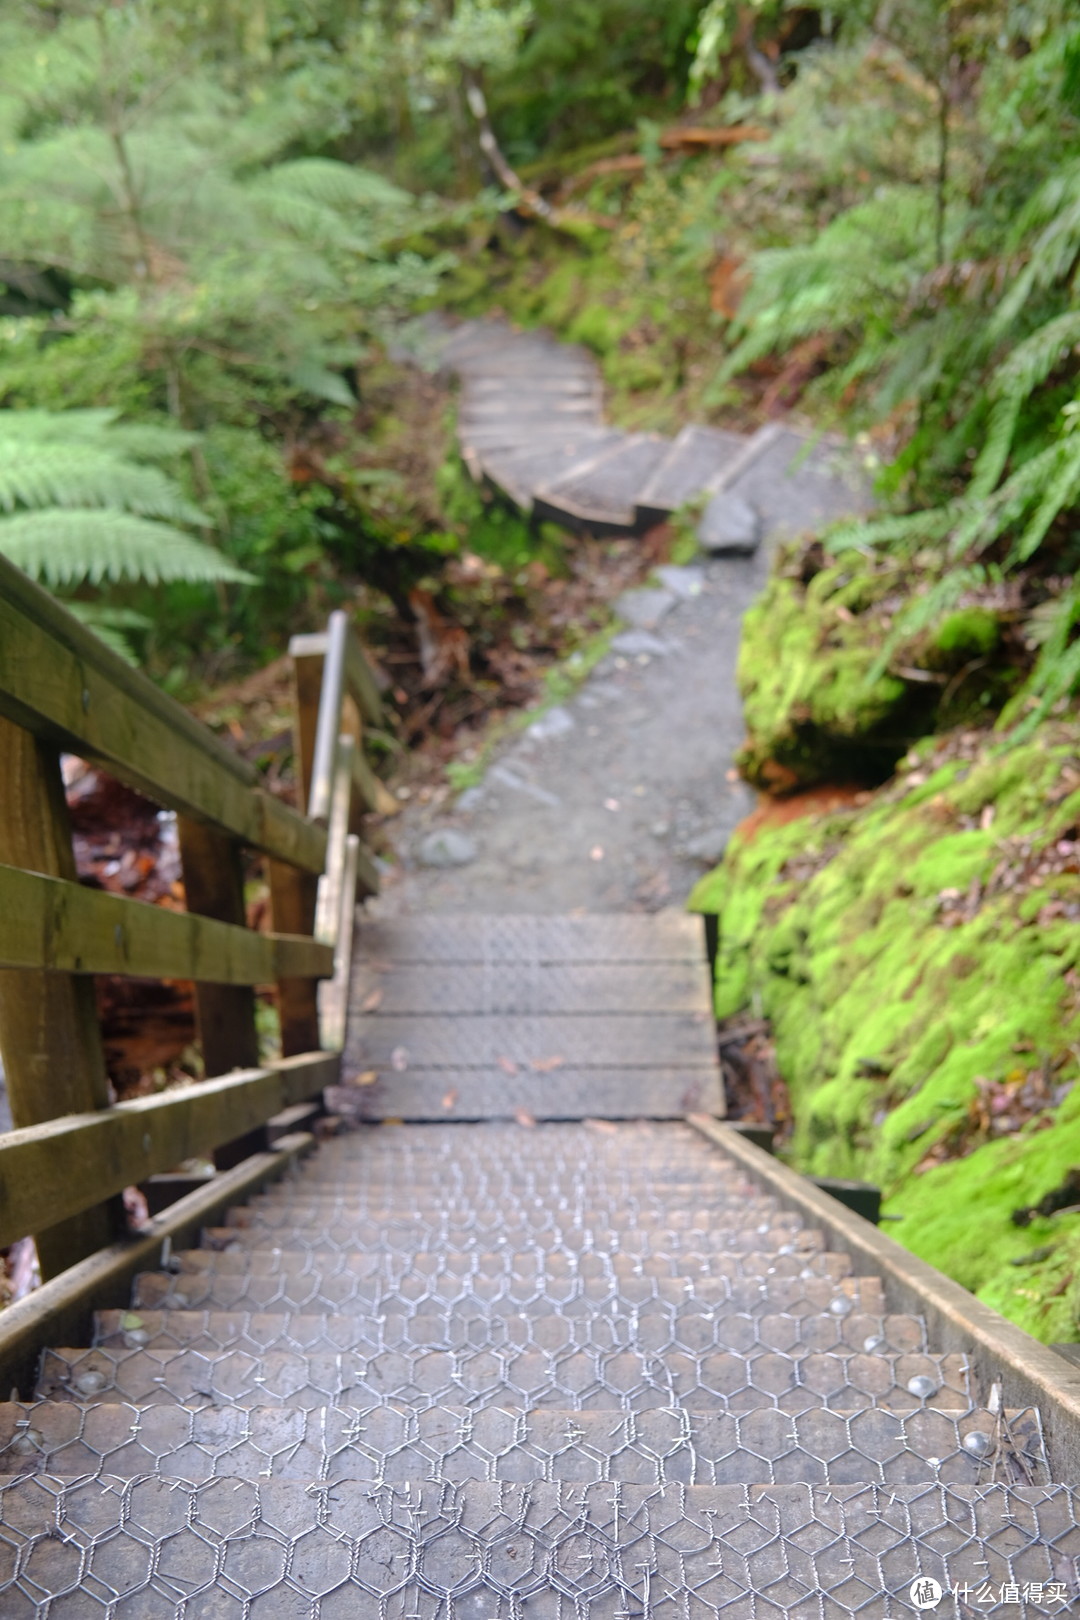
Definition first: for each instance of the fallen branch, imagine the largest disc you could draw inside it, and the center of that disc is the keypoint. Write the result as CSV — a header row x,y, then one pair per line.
x,y
528,200
671,141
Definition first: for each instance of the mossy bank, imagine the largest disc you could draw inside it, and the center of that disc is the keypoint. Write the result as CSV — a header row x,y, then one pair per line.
x,y
918,956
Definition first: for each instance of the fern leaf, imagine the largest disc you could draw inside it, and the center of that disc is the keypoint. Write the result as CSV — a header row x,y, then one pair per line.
x,y
317,379
1060,493
65,548
57,474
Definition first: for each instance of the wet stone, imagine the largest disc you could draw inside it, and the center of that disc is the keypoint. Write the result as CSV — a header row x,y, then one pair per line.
x,y
729,526
446,847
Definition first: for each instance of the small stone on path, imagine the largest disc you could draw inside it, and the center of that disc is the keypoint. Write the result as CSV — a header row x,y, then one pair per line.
x,y
555,723
708,846
729,525
446,846
644,608
510,779
633,642
684,582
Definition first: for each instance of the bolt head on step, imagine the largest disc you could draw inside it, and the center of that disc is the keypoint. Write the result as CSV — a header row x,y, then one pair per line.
x,y
729,526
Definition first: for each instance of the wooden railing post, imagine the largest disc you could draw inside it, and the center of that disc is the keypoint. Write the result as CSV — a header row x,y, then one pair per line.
x,y
214,887
50,1037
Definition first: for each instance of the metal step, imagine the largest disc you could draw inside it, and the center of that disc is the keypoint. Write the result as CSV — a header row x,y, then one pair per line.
x,y
481,1551
655,1327
290,1222
617,1291
388,1444
488,1093
576,1377
663,937
501,989
578,1040
643,1237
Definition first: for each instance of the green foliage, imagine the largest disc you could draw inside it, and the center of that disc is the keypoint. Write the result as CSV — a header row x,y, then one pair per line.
x,y
946,292
81,497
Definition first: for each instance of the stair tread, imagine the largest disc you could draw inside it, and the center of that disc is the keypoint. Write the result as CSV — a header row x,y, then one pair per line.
x,y
571,1092
393,1443
696,455
576,1552
655,1327
661,937
573,1376
674,988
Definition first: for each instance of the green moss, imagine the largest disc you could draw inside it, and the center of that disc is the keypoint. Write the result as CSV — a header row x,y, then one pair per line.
x,y
907,977
969,632
815,712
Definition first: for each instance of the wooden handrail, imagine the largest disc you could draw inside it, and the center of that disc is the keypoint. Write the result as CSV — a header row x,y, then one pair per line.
x,y
62,926
61,683
51,1171
63,689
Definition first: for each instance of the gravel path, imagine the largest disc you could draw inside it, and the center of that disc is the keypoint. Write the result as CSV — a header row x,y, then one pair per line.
x,y
619,799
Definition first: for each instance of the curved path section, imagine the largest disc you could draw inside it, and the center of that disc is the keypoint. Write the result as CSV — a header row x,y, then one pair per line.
x,y
532,424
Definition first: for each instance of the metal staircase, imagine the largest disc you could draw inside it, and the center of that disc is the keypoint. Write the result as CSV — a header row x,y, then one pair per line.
x,y
474,1366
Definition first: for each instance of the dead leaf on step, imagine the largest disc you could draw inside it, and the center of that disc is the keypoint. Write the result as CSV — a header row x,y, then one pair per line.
x,y
399,1059
450,1099
523,1117
368,1078
607,1126
372,1000
545,1065
507,1065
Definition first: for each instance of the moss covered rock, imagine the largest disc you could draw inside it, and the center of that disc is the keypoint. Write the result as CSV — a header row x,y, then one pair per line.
x,y
816,713
833,707
919,959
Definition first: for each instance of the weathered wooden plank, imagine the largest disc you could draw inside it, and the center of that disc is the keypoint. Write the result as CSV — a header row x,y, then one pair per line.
x,y
663,937
60,1312
292,907
373,794
62,683
54,924
55,1169
50,1038
531,987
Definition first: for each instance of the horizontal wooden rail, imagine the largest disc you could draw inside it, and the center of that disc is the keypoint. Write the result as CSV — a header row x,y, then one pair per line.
x,y
64,927
52,1171
60,682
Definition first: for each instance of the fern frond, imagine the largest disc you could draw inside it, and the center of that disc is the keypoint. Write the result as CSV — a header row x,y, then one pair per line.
x,y
922,612
1060,492
1026,366
314,378
57,474
65,548
109,624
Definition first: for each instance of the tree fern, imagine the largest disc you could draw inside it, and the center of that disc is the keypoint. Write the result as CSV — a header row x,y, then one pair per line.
x,y
66,548
81,504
